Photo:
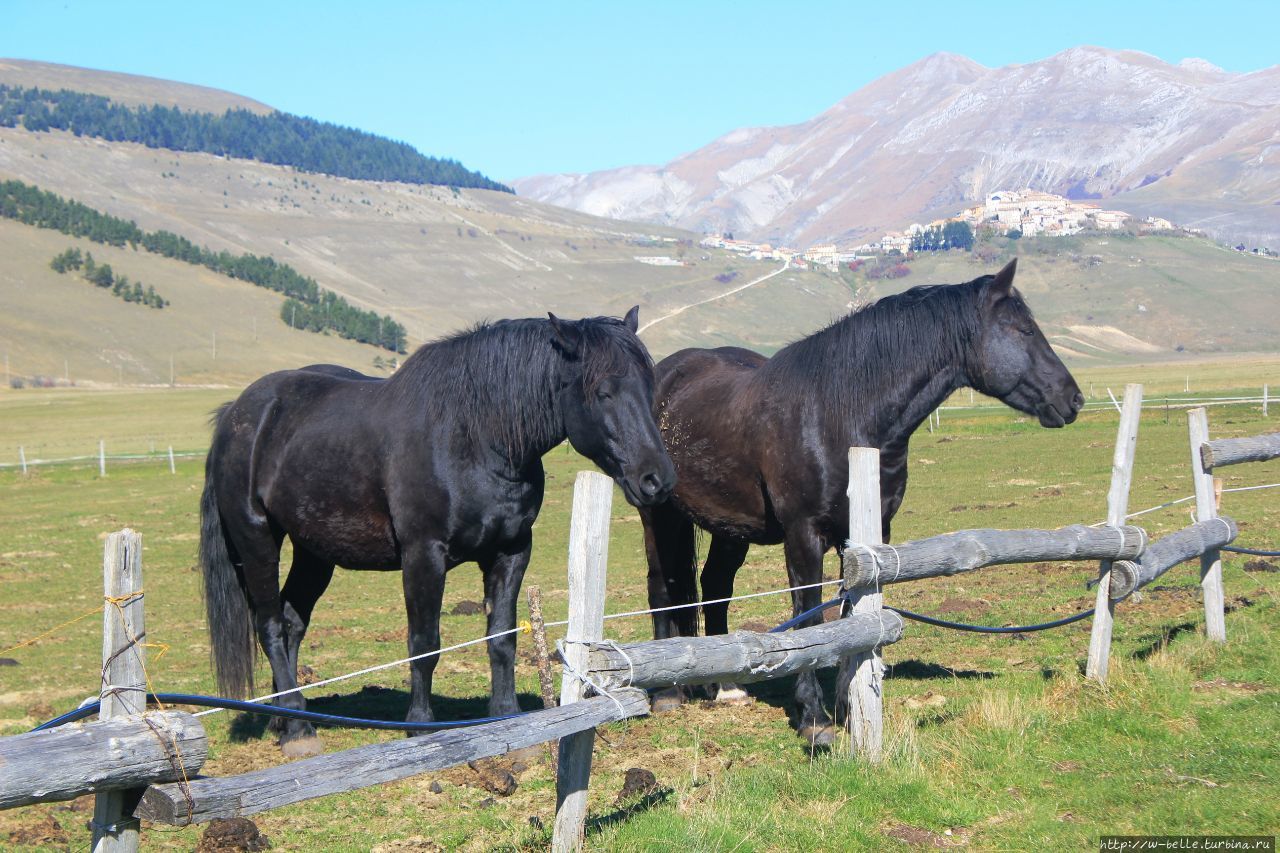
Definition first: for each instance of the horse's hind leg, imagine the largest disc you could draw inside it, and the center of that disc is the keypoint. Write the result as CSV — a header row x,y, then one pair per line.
x,y
724,558
309,577
260,551
804,549
669,546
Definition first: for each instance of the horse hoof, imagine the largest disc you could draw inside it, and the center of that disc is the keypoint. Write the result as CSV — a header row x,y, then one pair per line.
x,y
302,747
732,694
819,736
666,700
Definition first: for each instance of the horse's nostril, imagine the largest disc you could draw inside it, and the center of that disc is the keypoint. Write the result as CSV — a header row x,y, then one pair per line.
x,y
1078,401
650,484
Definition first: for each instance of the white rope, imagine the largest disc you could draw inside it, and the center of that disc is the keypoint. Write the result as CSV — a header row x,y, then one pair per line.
x,y
479,640
1251,488
1154,508
370,669
1114,402
713,601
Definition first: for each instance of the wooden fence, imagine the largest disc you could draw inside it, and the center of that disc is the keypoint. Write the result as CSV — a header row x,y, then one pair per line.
x,y
145,765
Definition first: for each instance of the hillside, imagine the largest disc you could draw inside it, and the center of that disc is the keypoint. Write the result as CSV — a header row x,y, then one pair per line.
x,y
131,90
215,329
438,260
433,258
1189,142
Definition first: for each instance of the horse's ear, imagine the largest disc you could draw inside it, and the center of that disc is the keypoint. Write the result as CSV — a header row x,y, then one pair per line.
x,y
1002,285
568,335
632,320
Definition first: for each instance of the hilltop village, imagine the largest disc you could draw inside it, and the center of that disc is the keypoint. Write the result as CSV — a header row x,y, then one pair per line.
x,y
1024,213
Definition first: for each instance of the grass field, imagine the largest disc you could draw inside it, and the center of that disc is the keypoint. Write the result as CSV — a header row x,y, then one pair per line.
x,y
994,742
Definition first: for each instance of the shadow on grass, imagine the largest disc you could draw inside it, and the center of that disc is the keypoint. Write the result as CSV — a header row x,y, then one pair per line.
x,y
918,670
618,815
376,703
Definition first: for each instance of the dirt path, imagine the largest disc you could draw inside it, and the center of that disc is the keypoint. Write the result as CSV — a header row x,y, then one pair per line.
x,y
656,320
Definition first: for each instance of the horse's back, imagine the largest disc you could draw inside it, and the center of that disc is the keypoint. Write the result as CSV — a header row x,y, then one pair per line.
x,y
723,367
306,448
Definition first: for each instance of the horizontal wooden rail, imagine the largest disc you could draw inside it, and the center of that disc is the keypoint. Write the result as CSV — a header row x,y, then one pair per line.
x,y
249,793
742,656
102,755
1167,552
951,553
1233,451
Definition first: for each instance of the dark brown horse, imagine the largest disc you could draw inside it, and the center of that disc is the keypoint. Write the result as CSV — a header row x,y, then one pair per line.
x,y
760,444
438,465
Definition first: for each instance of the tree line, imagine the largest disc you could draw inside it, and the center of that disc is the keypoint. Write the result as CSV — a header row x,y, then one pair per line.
x,y
953,235
34,206
278,138
103,276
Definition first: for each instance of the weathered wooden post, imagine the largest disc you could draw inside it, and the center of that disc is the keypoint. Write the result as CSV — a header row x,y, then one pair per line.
x,y
22,457
1215,621
172,468
543,658
865,697
124,686
1117,507
588,559
102,458
1265,389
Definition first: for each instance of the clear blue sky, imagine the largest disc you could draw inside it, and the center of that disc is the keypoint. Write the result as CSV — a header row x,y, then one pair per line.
x,y
514,89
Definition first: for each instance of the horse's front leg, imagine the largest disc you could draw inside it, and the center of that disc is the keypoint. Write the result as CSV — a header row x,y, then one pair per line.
x,y
804,549
424,572
503,574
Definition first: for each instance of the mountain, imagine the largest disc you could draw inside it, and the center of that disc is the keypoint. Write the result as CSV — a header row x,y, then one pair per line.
x,y
1191,142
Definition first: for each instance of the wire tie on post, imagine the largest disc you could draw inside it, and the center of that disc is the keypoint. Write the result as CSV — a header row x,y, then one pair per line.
x,y
1224,524
583,677
631,667
118,826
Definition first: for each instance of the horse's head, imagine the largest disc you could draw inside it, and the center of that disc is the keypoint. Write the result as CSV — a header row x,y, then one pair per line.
x,y
1013,362
606,397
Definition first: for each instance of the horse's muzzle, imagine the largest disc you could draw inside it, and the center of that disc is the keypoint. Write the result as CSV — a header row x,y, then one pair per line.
x,y
649,488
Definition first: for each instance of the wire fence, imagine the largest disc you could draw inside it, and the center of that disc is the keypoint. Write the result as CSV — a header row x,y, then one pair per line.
x,y
25,463
1161,403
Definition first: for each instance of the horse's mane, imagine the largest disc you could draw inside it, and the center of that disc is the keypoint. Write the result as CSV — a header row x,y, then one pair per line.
x,y
858,357
498,379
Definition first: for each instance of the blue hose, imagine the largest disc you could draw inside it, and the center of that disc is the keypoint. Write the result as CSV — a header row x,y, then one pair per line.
x,y
276,711
941,623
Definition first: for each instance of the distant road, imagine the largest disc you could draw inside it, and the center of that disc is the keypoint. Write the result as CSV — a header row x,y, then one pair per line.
x,y
656,320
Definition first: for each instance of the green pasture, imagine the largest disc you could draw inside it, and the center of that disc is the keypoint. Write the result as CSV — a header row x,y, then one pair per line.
x,y
994,742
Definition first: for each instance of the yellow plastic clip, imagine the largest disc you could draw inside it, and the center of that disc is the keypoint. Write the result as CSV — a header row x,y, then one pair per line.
x,y
525,626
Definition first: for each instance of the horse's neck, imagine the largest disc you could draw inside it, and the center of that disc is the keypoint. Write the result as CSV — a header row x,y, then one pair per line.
x,y
907,390
519,428
917,400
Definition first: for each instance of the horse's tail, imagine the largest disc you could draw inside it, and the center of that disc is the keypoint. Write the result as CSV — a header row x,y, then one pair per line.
x,y
231,645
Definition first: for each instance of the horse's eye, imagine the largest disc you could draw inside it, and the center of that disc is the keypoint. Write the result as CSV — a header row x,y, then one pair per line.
x,y
1027,332
603,395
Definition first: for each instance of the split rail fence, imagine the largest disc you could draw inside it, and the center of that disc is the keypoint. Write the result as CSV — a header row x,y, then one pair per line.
x,y
144,765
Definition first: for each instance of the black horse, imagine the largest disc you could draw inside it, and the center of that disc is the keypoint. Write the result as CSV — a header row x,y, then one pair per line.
x,y
761,444
438,465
